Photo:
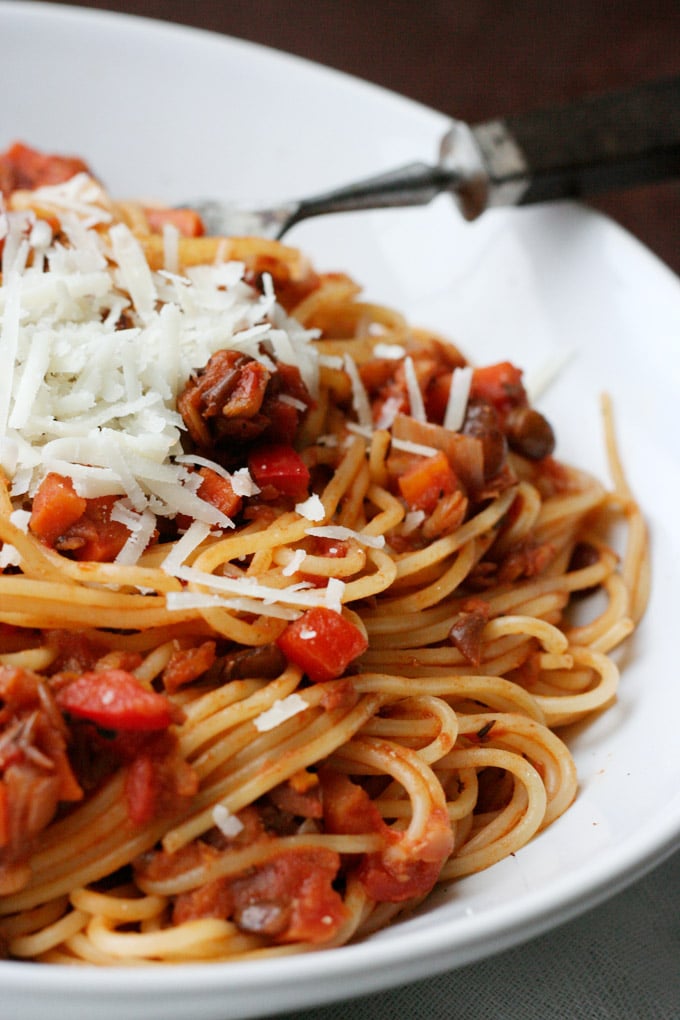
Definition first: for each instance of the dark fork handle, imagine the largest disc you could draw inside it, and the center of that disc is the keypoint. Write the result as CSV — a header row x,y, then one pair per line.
x,y
604,143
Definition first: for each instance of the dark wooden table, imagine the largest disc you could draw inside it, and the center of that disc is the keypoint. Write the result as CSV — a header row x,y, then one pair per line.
x,y
473,59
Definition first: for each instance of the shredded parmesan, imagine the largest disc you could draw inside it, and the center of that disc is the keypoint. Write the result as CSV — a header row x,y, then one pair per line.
x,y
97,402
282,710
412,520
360,401
295,562
312,509
335,589
392,352
141,528
341,533
9,556
181,601
388,412
243,483
418,448
415,397
459,391
196,533
299,405
20,519
228,824
301,595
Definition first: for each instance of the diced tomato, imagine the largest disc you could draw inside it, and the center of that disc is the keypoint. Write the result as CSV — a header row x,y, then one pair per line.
x,y
116,700
387,876
56,507
156,783
426,482
22,167
500,385
284,420
289,898
347,808
393,880
187,221
217,490
280,468
333,548
298,885
322,642
140,790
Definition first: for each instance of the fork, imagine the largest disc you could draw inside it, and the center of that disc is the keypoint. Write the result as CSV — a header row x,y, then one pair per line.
x,y
602,143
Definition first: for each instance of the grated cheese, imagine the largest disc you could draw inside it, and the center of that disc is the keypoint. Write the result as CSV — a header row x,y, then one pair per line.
x,y
301,595
412,520
20,519
388,412
360,401
228,824
243,483
418,448
393,352
415,397
141,528
180,601
456,405
196,533
340,532
335,589
9,556
299,405
295,562
312,509
95,402
282,710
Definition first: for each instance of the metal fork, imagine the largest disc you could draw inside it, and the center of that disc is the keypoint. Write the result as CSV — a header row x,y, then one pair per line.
x,y
597,144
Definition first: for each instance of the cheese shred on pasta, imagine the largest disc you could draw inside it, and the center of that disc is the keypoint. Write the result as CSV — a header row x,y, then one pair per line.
x,y
289,596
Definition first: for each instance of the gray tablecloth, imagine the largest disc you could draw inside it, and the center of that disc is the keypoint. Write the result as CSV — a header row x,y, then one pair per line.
x,y
619,961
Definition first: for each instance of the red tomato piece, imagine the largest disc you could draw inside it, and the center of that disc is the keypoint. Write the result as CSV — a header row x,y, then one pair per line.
x,y
217,490
299,884
388,876
24,168
116,700
500,385
323,643
279,467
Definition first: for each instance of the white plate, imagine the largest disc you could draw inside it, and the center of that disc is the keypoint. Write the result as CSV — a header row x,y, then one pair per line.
x,y
169,112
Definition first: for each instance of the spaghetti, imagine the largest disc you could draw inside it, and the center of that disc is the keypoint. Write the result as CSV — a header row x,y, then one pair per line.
x,y
286,594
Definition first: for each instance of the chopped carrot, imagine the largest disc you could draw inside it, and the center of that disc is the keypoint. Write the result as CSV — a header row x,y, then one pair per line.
x,y
423,485
56,507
